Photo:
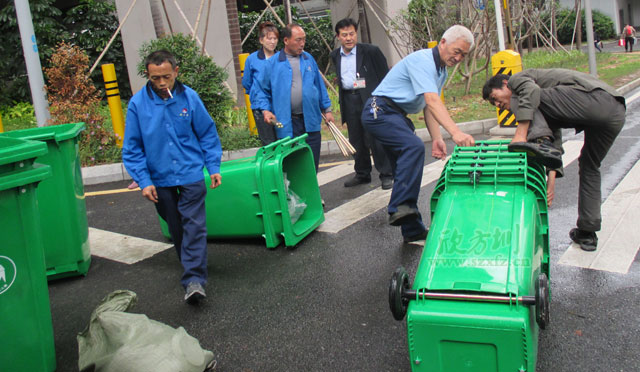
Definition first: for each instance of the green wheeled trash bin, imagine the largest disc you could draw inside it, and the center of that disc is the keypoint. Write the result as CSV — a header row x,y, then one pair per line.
x,y
26,331
63,212
274,195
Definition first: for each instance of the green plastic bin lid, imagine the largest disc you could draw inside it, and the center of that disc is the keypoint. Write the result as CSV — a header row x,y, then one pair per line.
x,y
13,150
57,132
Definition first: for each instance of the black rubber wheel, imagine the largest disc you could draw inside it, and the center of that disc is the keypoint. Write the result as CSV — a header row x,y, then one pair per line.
x,y
398,284
542,301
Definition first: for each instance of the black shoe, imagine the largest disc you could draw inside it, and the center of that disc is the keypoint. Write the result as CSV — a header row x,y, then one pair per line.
x,y
387,183
355,181
194,293
587,240
540,149
415,238
403,215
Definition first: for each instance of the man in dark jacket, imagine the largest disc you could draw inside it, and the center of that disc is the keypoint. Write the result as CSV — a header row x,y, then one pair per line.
x,y
360,68
544,101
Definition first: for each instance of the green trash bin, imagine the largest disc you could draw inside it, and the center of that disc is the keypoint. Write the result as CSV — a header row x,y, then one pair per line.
x,y
26,331
274,195
63,212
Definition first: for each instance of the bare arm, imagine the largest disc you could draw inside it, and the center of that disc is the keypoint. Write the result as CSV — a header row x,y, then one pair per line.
x,y
439,112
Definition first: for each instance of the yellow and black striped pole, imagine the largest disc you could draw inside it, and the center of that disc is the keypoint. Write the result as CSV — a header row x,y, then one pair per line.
x,y
506,62
252,121
113,98
1,127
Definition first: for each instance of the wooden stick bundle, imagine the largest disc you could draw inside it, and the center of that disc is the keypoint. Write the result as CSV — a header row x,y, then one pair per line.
x,y
343,144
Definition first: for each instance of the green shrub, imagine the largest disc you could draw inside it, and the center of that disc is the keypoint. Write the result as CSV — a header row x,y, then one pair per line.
x,y
602,25
197,71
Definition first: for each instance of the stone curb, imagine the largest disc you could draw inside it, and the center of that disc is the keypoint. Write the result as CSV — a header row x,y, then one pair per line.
x,y
116,172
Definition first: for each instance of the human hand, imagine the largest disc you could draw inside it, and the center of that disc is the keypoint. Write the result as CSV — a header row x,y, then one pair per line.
x,y
463,139
438,149
551,187
150,193
268,117
216,180
328,117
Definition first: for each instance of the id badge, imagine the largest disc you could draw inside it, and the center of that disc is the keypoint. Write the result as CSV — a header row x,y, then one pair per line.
x,y
359,83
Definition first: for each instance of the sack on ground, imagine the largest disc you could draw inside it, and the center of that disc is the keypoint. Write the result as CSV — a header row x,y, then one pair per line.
x,y
117,341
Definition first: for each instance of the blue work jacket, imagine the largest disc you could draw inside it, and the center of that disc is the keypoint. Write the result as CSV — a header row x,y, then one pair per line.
x,y
169,142
254,65
274,92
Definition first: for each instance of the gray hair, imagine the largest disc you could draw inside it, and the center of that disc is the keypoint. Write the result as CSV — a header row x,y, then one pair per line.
x,y
456,32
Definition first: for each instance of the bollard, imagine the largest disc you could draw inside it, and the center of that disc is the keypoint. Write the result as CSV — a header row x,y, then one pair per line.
x,y
113,98
506,62
1,127
252,121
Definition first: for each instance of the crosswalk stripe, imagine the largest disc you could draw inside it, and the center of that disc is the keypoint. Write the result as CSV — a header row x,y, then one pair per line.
x,y
619,236
357,209
334,173
123,248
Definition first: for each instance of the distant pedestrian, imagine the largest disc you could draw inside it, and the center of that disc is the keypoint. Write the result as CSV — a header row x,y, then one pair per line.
x,y
360,68
253,68
629,33
597,42
292,92
414,85
169,139
546,100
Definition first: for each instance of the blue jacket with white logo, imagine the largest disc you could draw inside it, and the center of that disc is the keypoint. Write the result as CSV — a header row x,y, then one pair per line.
x,y
169,142
274,92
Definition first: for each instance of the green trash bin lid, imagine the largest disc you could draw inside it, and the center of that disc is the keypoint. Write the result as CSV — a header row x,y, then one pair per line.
x,y
14,150
58,133
21,178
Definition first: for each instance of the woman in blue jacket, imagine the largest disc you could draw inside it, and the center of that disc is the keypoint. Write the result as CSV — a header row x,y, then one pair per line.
x,y
253,67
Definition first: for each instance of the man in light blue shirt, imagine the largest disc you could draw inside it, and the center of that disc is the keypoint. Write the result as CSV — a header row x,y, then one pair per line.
x,y
414,84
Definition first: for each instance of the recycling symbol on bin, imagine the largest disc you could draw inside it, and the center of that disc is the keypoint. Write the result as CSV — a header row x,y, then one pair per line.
x,y
7,273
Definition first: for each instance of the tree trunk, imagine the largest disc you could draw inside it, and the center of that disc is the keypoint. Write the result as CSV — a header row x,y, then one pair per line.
x,y
156,14
579,25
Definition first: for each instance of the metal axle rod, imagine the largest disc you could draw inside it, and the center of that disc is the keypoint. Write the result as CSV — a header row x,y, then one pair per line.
x,y
412,294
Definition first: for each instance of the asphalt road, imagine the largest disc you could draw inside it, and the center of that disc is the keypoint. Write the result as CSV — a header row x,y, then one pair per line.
x,y
323,305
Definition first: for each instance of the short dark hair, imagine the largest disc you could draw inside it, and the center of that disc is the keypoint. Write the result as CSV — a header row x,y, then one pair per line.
x,y
344,23
286,32
266,27
159,57
493,83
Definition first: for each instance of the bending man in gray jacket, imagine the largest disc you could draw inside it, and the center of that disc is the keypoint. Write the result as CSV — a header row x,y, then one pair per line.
x,y
544,101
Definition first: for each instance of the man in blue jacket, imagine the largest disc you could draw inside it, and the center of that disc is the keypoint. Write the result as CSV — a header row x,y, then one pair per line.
x,y
292,92
169,138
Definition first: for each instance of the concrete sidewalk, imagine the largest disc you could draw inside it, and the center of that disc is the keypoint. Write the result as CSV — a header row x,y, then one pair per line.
x,y
116,172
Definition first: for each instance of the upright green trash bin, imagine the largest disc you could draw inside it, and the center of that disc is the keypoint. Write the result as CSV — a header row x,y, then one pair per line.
x,y
63,212
262,195
26,332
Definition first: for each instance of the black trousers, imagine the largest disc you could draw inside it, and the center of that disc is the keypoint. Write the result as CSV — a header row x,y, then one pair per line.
x,y
601,116
364,143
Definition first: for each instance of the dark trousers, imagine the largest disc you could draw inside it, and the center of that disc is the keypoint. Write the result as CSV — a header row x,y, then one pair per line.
x,y
628,43
362,141
266,132
405,151
601,117
314,139
182,207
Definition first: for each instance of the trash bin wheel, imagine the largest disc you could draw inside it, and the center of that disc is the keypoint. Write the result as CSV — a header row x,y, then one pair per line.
x,y
542,301
399,283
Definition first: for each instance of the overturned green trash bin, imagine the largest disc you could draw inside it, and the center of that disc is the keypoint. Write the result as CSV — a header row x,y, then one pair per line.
x,y
63,212
26,341
273,194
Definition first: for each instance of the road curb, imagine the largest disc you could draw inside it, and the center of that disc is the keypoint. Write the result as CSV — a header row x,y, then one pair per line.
x,y
116,172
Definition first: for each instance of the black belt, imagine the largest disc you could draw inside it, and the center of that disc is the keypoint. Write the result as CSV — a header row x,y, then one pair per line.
x,y
392,104
350,91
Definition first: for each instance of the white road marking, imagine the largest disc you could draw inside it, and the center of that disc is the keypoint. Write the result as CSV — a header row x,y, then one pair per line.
x,y
123,248
619,238
334,173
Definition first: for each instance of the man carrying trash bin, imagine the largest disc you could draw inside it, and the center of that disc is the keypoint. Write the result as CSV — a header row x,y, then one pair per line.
x,y
546,100
413,85
169,138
